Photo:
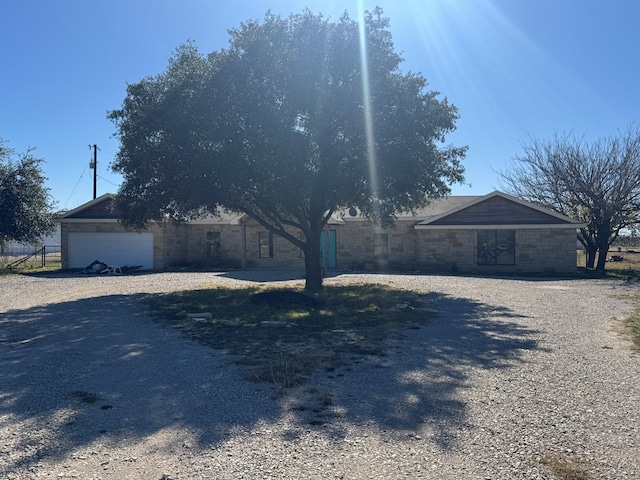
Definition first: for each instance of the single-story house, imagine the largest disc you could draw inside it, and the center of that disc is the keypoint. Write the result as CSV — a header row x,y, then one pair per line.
x,y
494,233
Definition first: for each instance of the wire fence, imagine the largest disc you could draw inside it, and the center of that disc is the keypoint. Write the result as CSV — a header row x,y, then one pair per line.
x,y
20,256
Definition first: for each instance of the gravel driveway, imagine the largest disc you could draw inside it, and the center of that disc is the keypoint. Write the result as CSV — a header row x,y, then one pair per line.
x,y
91,388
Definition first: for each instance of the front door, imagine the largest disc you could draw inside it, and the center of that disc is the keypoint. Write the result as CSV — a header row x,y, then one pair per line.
x,y
331,247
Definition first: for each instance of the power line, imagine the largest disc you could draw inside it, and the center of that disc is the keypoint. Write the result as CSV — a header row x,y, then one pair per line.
x,y
74,188
108,181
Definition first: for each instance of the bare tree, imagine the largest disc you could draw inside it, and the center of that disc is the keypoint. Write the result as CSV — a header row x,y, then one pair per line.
x,y
596,182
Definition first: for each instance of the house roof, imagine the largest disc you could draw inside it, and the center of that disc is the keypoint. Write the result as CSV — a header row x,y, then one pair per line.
x,y
102,209
435,207
498,210
494,210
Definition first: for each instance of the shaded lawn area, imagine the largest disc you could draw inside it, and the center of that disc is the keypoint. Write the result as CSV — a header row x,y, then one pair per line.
x,y
284,342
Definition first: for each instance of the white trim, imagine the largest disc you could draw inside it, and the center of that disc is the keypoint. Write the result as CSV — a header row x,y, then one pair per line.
x,y
236,220
536,226
87,220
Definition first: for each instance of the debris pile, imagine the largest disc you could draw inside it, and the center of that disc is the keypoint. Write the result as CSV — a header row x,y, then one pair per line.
x,y
98,267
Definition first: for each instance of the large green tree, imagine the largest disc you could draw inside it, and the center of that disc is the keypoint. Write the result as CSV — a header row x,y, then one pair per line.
x,y
597,182
299,117
25,204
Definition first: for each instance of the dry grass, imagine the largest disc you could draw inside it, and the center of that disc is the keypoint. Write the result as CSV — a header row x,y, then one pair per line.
x,y
627,269
565,468
33,265
632,324
286,344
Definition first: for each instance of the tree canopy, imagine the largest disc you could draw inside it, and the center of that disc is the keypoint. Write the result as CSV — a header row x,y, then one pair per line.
x,y
298,118
25,205
596,182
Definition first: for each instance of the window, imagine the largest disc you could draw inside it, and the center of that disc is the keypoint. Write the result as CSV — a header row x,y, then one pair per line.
x,y
213,244
496,247
265,240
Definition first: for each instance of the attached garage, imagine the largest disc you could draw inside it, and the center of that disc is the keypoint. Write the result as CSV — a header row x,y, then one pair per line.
x,y
112,248
92,232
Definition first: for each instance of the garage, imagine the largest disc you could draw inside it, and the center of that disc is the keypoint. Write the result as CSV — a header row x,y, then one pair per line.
x,y
113,248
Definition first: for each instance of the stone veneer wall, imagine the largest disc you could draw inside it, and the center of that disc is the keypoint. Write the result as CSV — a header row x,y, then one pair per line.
x,y
355,246
230,244
402,246
547,251
169,245
537,251
285,254
446,250
438,250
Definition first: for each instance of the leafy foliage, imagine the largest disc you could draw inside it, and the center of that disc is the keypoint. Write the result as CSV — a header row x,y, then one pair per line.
x,y
597,183
25,204
276,127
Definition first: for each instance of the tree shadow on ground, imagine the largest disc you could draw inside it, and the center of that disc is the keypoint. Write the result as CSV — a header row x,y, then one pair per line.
x,y
263,276
99,370
419,383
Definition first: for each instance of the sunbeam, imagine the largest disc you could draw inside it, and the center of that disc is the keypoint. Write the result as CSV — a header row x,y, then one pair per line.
x,y
368,112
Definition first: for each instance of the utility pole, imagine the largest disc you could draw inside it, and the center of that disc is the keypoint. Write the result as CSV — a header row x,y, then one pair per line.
x,y
94,165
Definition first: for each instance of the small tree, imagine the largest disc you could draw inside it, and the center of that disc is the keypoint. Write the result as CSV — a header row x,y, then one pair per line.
x,y
298,118
597,183
25,205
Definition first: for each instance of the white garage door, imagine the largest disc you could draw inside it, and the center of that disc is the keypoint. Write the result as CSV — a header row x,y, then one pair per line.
x,y
114,249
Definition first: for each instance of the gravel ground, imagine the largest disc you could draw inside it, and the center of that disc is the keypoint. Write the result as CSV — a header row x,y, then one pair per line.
x,y
91,388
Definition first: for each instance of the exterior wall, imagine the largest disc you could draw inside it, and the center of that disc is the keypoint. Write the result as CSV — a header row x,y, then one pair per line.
x,y
546,251
285,255
169,245
537,251
358,247
363,246
230,251
446,250
354,243
402,246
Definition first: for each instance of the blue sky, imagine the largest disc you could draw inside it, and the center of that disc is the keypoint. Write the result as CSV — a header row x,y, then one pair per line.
x,y
513,68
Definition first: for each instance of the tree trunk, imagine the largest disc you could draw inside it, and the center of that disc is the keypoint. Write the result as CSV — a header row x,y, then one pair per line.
x,y
313,269
602,259
604,233
591,257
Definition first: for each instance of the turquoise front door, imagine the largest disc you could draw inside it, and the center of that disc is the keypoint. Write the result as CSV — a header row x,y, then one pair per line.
x,y
332,248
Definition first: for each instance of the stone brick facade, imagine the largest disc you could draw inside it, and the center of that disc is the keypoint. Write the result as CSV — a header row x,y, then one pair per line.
x,y
536,251
442,242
